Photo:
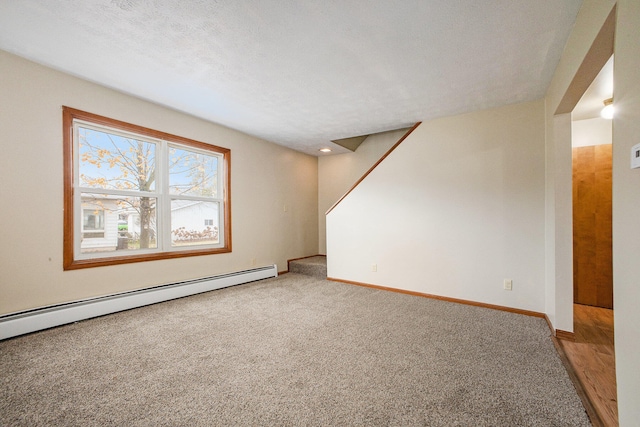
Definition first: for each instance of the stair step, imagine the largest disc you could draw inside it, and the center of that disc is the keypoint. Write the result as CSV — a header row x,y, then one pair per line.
x,y
315,266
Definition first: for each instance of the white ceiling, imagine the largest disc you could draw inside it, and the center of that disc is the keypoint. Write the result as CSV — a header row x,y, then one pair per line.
x,y
296,72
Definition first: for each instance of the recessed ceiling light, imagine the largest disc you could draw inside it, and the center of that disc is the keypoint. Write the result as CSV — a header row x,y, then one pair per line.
x,y
325,150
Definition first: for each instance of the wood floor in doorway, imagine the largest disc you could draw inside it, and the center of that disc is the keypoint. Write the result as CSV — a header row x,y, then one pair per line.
x,y
592,357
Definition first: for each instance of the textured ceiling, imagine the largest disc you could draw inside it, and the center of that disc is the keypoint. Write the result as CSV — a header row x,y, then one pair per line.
x,y
301,73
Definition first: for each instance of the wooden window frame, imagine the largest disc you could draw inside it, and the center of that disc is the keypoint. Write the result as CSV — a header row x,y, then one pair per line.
x,y
69,257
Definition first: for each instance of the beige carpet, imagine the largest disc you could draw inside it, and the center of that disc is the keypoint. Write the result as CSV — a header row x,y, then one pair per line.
x,y
290,351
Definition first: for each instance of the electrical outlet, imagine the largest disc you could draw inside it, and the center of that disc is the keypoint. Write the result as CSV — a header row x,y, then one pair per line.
x,y
253,261
508,284
374,267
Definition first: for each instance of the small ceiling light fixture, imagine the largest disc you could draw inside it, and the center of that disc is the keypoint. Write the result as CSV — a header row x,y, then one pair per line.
x,y
325,150
607,111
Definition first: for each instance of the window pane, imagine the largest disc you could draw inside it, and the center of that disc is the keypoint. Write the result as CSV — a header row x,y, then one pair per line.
x,y
117,223
93,219
194,223
193,174
111,161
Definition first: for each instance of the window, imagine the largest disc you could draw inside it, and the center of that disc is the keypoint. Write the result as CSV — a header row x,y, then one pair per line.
x,y
92,223
134,194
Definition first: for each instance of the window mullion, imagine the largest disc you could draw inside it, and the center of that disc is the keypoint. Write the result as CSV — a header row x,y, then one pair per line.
x,y
195,198
221,196
130,193
165,213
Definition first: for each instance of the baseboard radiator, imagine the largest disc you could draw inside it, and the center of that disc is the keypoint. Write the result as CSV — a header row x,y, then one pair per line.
x,y
24,322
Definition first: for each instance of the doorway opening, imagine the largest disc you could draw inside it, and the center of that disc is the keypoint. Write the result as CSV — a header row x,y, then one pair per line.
x,y
591,140
593,350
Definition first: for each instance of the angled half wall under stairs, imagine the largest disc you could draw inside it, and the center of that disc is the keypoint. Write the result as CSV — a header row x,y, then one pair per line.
x,y
456,210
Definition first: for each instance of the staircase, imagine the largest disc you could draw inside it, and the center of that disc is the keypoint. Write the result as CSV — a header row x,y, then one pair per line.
x,y
315,266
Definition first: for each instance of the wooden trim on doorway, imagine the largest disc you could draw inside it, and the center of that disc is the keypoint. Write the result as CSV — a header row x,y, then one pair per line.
x,y
565,335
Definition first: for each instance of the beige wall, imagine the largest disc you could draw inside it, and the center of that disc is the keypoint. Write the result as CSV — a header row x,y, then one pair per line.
x,y
626,211
265,178
590,132
457,208
338,173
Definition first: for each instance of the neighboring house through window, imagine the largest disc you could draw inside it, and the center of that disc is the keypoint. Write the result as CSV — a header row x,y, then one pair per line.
x,y
92,223
134,194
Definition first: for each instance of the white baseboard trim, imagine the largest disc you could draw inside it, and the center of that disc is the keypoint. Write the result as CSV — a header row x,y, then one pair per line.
x,y
28,321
